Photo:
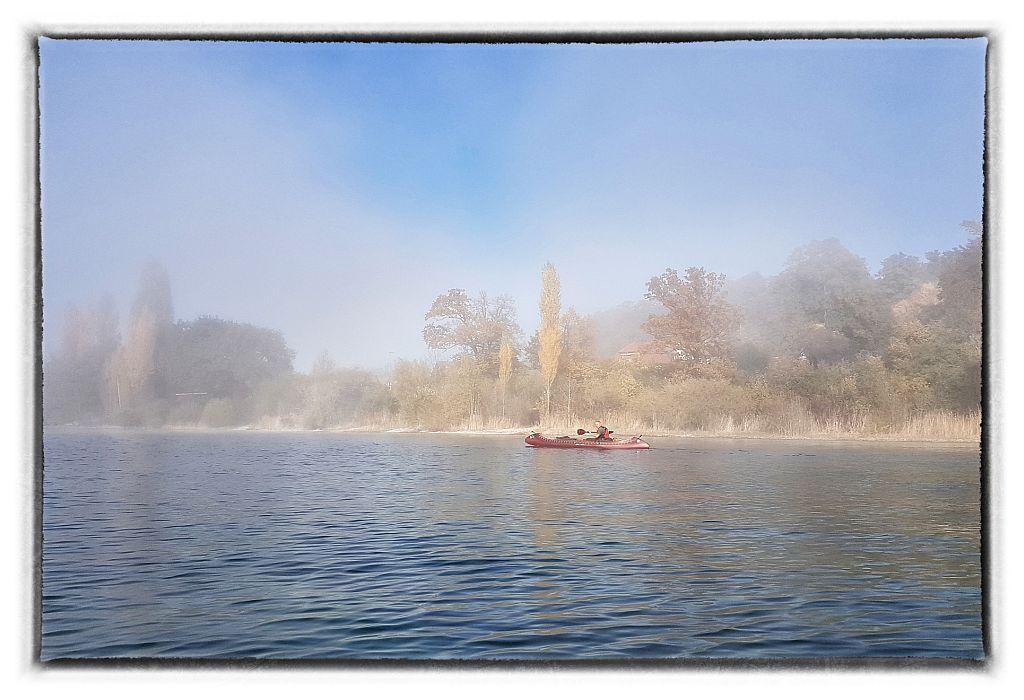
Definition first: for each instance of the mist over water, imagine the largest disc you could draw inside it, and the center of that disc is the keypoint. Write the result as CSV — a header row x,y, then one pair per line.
x,y
283,546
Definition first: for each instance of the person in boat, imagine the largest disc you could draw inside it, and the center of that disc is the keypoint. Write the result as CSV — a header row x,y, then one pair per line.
x,y
602,432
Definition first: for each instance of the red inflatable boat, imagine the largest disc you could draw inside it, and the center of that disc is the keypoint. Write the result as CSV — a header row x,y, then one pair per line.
x,y
634,443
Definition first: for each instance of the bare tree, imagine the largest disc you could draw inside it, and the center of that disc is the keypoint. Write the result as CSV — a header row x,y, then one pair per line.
x,y
504,370
474,325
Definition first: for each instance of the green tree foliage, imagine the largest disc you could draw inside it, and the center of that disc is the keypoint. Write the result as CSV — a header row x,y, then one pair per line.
x,y
940,359
900,275
224,359
751,358
960,287
827,306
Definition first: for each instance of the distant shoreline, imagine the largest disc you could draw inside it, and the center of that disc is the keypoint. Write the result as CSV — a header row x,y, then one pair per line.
x,y
508,432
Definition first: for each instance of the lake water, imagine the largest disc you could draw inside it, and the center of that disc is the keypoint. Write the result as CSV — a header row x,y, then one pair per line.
x,y
289,546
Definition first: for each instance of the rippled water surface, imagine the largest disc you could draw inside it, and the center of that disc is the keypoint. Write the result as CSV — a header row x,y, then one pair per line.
x,y
428,546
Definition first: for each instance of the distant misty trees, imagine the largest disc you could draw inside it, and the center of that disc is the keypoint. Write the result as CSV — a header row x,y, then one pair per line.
x,y
824,346
856,349
132,374
222,359
824,306
699,324
160,371
330,396
74,378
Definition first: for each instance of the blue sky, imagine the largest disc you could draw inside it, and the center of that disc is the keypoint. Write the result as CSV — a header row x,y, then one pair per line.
x,y
331,191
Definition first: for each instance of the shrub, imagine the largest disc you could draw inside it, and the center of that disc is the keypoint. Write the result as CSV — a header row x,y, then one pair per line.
x,y
219,413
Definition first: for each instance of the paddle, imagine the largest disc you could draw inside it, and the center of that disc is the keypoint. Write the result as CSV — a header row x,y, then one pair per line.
x,y
581,431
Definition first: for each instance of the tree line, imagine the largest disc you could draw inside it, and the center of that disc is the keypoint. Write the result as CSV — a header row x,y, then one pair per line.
x,y
825,346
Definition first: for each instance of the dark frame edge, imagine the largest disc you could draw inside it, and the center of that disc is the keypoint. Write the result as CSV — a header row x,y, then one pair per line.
x,y
35,262
520,35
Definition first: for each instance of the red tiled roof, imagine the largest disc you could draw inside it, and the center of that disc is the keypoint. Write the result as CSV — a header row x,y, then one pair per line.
x,y
644,354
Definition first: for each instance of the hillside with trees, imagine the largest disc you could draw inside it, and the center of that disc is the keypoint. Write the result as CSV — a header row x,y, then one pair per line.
x,y
823,348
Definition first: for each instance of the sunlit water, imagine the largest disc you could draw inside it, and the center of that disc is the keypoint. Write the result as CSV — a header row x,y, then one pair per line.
x,y
469,547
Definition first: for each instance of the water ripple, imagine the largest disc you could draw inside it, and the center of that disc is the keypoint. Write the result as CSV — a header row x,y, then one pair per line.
x,y
370,546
